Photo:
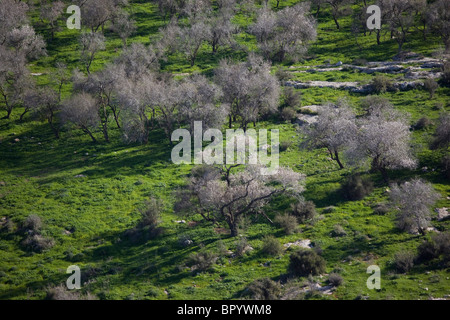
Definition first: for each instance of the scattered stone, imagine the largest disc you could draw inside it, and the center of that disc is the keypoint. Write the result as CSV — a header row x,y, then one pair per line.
x,y
180,221
2,183
80,176
299,243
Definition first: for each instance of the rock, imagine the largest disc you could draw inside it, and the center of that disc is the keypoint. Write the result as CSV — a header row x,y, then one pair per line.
x,y
180,221
299,243
80,176
187,243
2,183
442,213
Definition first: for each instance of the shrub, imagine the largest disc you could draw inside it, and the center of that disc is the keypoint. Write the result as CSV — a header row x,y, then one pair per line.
x,y
427,251
288,114
403,261
329,209
284,145
287,222
33,222
37,243
359,62
304,211
356,188
335,279
282,74
62,293
264,289
271,246
202,260
381,83
304,262
422,123
431,86
292,98
338,231
147,228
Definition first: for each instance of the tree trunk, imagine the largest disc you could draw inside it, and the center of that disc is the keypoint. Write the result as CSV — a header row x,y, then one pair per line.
x,y
336,157
378,36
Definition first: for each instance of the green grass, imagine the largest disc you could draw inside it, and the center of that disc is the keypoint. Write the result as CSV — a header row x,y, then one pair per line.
x,y
39,176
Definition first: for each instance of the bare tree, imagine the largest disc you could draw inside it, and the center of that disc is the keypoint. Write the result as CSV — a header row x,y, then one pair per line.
x,y
45,103
334,129
286,33
413,200
81,111
91,43
51,12
13,14
123,25
400,18
221,194
96,13
383,139
249,89
25,41
221,29
138,60
338,8
191,38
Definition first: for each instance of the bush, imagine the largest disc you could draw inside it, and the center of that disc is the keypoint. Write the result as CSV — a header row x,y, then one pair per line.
x,y
338,231
422,123
335,279
360,62
404,261
33,222
37,243
304,211
282,74
356,188
427,251
437,246
202,260
241,246
381,83
431,86
306,262
271,246
445,79
381,209
288,114
264,289
287,222
292,98
147,228
284,145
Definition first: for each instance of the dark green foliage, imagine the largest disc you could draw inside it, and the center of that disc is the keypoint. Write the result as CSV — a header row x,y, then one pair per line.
x,y
288,114
264,289
148,227
304,211
284,145
381,84
422,123
436,247
356,187
271,246
338,231
304,262
381,209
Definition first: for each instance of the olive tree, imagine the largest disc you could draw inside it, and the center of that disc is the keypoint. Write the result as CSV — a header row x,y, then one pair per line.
x,y
123,25
413,200
438,17
51,12
91,43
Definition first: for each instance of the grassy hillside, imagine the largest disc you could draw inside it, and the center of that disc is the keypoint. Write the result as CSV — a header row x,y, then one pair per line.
x,y
89,194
